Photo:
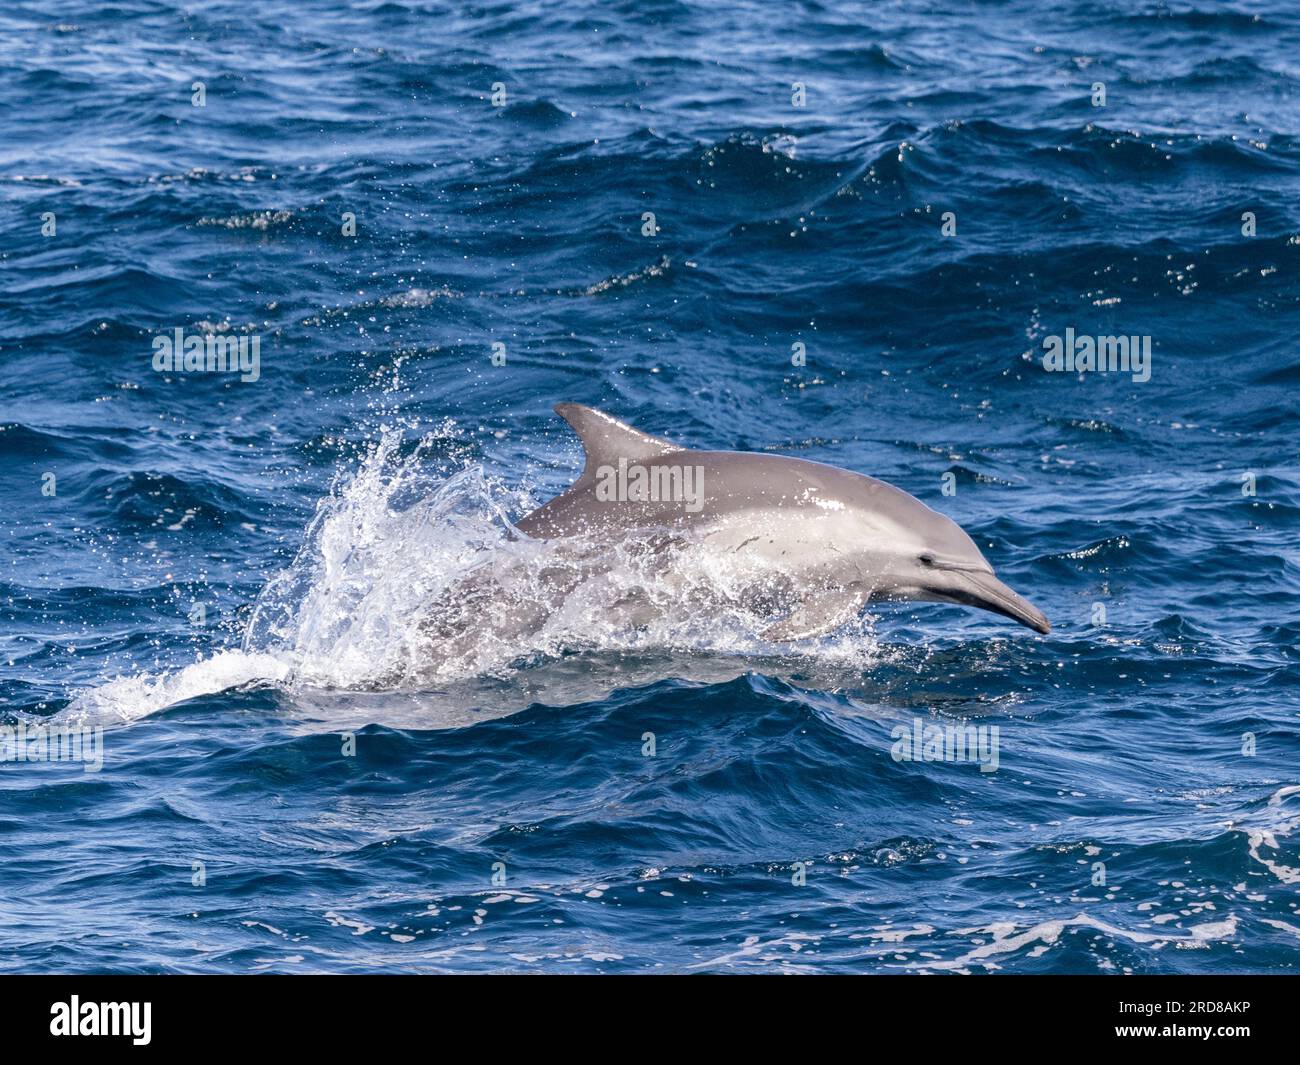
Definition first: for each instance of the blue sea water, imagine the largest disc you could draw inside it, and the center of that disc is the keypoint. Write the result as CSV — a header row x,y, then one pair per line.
x,y
227,576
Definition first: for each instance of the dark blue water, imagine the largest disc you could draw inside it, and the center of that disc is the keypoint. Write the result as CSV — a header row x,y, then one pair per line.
x,y
292,786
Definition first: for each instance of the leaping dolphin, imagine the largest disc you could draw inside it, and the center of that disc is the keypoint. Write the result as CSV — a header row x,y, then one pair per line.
x,y
837,539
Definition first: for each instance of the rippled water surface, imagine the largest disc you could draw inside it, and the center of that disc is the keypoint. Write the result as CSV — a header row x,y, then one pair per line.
x,y
229,577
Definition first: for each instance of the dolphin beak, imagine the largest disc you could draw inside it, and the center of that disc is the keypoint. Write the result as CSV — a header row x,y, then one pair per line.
x,y
985,591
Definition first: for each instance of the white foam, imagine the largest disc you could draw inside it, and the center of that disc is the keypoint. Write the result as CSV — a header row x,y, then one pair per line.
x,y
1038,938
1265,835
126,699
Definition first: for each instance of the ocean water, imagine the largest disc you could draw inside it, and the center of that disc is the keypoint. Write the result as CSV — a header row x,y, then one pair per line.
x,y
229,577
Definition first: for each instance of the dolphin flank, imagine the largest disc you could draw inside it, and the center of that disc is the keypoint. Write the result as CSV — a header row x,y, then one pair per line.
x,y
823,541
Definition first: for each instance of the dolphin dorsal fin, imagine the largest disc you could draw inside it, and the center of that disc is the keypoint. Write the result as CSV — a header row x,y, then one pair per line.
x,y
606,440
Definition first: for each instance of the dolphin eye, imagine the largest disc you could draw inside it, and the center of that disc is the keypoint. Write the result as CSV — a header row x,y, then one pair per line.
x,y
927,559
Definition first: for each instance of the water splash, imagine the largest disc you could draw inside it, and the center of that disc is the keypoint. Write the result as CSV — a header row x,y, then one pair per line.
x,y
383,545
411,577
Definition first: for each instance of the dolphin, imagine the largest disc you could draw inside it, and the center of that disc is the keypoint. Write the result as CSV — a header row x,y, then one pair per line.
x,y
822,541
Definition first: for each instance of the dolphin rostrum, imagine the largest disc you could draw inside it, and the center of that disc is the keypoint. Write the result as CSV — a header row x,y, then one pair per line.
x,y
825,541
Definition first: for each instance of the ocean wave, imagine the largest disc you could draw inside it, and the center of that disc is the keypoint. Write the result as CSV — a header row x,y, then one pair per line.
x,y
277,598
